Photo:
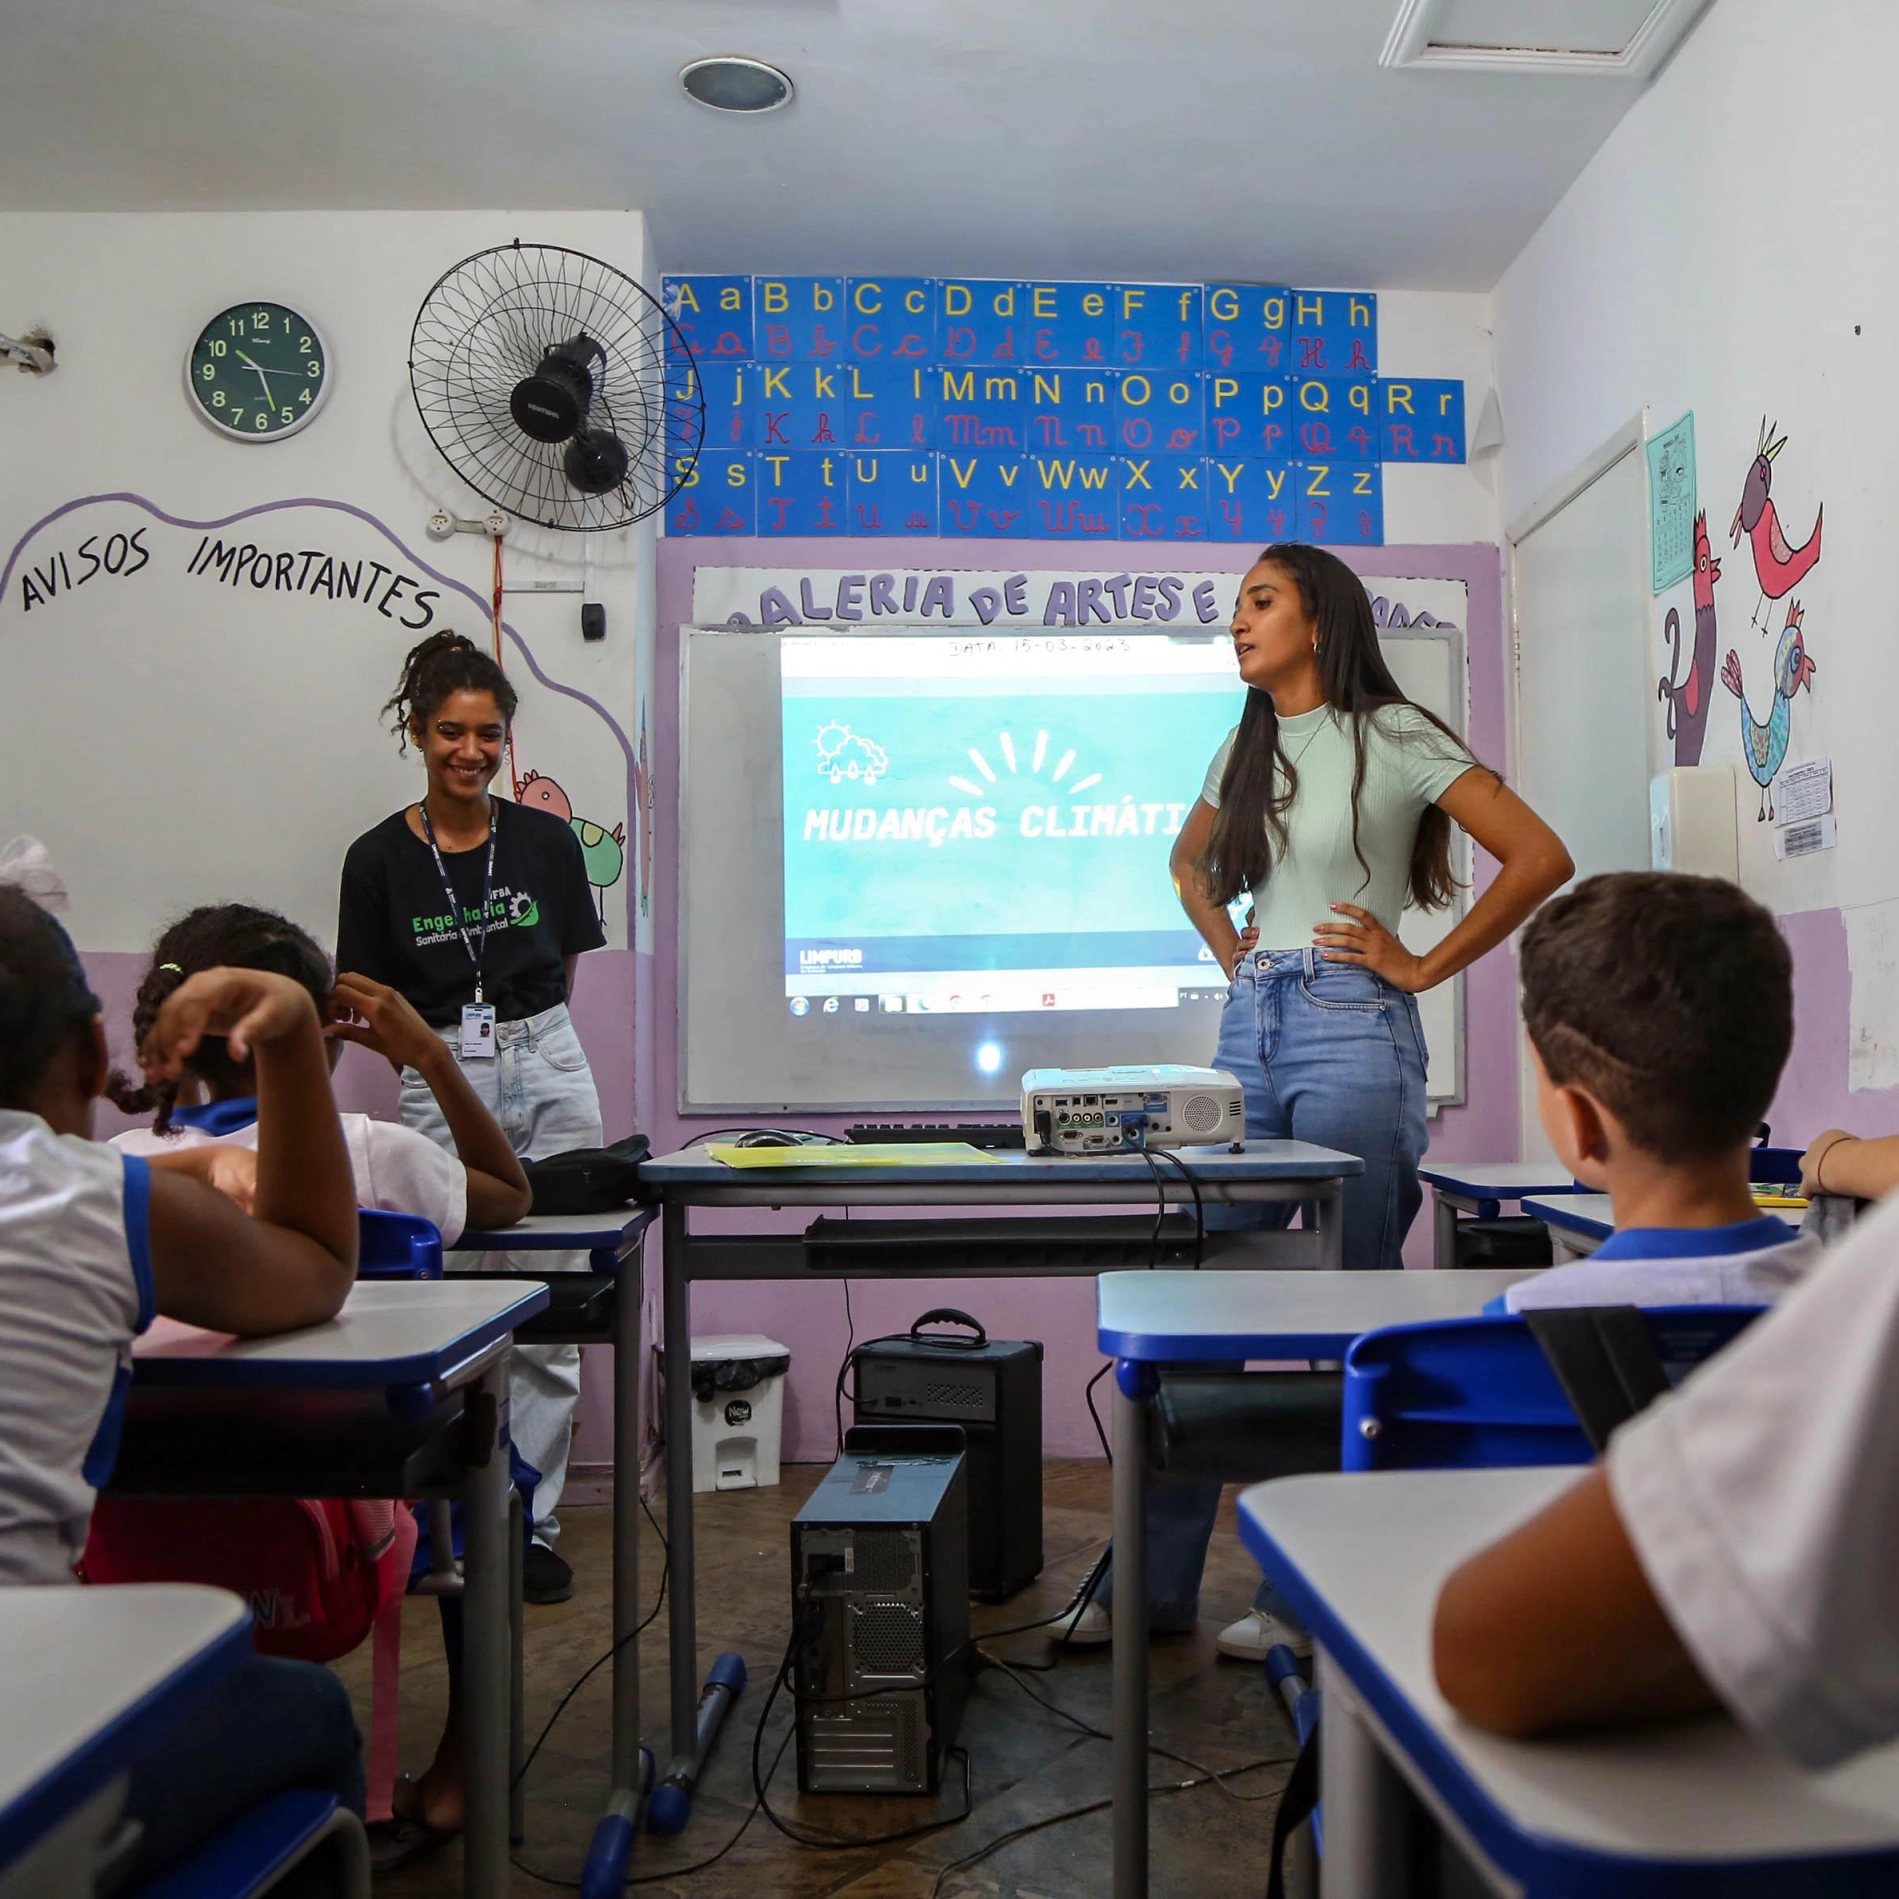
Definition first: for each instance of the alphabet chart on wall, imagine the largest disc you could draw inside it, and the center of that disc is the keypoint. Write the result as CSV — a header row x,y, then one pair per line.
x,y
969,408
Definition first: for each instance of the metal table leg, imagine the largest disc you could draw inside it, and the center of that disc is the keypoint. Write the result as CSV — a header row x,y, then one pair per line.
x,y
485,1661
612,1847
1365,1801
682,1625
1134,1388
1444,1240
517,1669
1331,1204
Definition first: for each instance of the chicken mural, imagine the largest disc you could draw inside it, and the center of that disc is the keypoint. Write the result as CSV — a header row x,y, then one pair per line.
x,y
603,851
1687,703
1778,567
1765,746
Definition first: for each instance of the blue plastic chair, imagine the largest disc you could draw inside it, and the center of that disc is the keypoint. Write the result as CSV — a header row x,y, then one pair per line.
x,y
1773,1166
1466,1394
256,1849
396,1246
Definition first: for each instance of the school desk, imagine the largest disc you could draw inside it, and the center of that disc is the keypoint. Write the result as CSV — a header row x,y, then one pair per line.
x,y
1250,1173
1481,1189
1145,1321
403,1394
1578,1222
599,1307
94,1678
1684,1810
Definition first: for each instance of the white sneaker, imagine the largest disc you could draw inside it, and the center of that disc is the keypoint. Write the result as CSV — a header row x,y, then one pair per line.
x,y
1087,1627
1248,1639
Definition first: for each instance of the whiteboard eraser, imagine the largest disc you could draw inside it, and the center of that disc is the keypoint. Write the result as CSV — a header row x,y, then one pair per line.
x,y
1691,821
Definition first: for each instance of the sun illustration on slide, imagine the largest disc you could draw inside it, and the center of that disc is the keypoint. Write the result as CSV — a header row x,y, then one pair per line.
x,y
844,754
1038,756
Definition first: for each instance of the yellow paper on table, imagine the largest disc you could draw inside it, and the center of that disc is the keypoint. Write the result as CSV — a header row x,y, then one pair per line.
x,y
870,1154
1771,1199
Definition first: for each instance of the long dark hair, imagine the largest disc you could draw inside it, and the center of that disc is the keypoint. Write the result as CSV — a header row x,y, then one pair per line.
x,y
1260,782
444,663
45,1000
216,936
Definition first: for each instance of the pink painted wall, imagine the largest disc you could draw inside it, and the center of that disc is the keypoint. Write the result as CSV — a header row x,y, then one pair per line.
x,y
1813,1087
810,1319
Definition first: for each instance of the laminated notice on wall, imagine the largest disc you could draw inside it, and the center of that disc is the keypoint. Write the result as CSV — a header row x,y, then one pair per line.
x,y
1804,838
1804,791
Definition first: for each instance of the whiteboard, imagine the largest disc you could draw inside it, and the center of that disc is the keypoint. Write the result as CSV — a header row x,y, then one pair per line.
x,y
738,1050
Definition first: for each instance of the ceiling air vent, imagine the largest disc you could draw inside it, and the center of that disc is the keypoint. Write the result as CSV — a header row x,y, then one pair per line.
x,y
1616,39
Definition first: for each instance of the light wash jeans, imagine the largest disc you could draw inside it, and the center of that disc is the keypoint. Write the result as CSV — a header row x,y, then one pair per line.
x,y
538,1086
1328,1053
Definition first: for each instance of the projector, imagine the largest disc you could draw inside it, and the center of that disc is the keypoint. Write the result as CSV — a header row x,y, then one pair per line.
x,y
1120,1110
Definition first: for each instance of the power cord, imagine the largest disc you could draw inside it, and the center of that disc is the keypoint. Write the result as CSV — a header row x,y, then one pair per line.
x,y
1199,1206
771,1137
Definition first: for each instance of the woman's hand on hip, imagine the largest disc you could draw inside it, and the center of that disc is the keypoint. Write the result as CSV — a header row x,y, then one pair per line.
x,y
1360,938
1247,944
374,1016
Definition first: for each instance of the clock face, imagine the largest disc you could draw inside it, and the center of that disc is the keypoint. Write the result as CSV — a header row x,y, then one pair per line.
x,y
258,371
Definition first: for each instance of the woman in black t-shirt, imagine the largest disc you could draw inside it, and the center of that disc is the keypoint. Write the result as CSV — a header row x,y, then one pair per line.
x,y
477,909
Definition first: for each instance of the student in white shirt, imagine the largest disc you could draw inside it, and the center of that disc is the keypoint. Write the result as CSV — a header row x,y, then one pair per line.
x,y
1660,1012
1736,1546
92,1245
395,1168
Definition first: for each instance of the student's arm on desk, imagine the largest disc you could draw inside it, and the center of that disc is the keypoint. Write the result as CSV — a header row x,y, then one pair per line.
x,y
375,1016
1841,1163
1556,1627
293,1264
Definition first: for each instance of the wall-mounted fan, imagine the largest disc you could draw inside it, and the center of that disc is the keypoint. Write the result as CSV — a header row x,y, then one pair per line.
x,y
541,376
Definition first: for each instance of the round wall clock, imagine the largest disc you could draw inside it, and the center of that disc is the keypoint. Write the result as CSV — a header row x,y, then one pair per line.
x,y
258,371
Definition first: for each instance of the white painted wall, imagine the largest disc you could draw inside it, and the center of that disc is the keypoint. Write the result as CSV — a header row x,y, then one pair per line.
x,y
1440,333
1722,253
106,754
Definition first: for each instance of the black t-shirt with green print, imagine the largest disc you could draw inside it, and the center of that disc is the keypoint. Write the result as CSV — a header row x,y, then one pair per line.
x,y
394,923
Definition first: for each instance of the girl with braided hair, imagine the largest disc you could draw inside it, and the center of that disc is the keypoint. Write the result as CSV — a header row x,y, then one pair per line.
x,y
395,1168
476,910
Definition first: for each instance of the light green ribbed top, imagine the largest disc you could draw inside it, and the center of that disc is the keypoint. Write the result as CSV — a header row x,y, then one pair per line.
x,y
1409,764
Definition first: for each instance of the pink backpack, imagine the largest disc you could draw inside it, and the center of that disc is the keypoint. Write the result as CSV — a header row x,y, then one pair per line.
x,y
319,1575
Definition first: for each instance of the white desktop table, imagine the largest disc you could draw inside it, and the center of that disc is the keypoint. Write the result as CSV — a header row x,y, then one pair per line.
x,y
1578,1222
1248,1173
1684,1810
613,1245
396,1351
1148,1320
93,1680
1481,1189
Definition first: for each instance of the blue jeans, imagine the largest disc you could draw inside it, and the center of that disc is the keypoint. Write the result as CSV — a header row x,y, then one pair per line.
x,y
275,1725
1328,1053
538,1086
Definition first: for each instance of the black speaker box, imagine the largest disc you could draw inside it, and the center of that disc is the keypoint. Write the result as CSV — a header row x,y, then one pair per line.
x,y
993,1389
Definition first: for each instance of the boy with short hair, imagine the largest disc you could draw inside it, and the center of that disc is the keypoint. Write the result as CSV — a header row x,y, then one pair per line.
x,y
1660,1013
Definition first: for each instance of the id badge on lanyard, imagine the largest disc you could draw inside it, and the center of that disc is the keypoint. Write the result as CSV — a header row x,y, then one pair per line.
x,y
478,1017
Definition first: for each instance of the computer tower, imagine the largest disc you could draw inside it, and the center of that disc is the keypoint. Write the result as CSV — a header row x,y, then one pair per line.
x,y
993,1389
880,1608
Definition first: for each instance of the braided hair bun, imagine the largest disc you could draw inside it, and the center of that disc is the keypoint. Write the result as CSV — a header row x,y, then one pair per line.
x,y
217,936
440,665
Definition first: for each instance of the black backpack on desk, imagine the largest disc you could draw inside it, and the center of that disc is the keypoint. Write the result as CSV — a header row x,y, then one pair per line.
x,y
588,1179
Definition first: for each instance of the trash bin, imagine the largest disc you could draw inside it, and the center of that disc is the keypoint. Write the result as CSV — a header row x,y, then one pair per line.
x,y
738,1404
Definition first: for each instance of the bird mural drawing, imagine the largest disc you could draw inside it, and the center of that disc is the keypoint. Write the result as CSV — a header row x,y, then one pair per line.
x,y
603,851
1778,567
1687,703
1765,746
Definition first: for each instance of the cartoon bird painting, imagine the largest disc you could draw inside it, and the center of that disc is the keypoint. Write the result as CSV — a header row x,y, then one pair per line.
x,y
1765,746
1687,703
1778,567
604,851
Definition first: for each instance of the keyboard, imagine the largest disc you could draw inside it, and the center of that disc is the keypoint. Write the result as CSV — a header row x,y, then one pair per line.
x,y
988,1134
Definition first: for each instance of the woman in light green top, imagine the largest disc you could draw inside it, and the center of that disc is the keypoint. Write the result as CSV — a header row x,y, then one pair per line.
x,y
1331,804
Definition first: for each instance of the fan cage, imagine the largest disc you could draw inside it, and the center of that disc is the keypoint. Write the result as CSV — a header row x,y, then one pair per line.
x,y
485,326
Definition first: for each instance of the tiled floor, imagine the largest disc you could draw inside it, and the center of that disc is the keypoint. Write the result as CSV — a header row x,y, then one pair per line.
x,y
1026,1764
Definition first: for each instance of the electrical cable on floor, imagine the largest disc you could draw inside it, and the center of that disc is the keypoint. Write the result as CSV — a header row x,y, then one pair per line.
x,y
1088,1392
592,1668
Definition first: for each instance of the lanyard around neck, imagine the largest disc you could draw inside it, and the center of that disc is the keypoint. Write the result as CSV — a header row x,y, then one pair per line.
x,y
473,945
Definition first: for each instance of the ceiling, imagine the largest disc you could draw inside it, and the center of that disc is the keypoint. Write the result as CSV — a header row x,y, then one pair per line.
x,y
1195,140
